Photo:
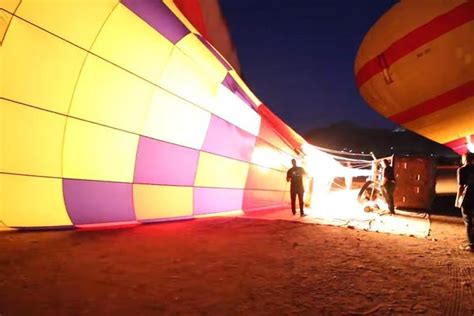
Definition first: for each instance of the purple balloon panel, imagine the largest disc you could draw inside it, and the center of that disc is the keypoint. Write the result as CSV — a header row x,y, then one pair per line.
x,y
160,17
92,202
164,163
228,140
233,86
211,200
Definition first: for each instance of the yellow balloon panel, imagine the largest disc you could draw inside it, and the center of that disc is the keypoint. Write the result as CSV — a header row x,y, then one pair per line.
x,y
170,4
111,96
129,42
447,124
202,56
5,19
41,69
98,153
184,78
78,21
154,202
9,5
32,202
175,120
31,140
231,108
220,172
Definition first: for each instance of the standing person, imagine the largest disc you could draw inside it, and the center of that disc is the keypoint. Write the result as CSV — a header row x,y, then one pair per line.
x,y
295,175
388,185
465,177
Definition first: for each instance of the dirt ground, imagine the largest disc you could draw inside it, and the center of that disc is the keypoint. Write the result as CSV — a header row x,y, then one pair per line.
x,y
235,266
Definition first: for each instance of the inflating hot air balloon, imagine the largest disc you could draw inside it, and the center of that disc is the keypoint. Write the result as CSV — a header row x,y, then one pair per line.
x,y
416,67
124,112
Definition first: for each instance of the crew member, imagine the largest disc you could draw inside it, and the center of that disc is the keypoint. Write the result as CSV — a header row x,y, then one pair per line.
x,y
388,185
465,196
295,175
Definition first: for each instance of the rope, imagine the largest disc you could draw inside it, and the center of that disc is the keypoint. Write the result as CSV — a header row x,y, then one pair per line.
x,y
341,152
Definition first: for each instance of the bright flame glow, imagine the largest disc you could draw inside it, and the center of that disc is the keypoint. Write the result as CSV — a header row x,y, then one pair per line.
x,y
270,158
340,208
341,204
470,144
323,168
337,205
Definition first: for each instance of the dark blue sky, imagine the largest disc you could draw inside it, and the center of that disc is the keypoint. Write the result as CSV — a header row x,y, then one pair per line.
x,y
298,57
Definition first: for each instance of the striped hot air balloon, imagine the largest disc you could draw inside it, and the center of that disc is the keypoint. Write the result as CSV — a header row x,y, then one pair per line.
x,y
416,67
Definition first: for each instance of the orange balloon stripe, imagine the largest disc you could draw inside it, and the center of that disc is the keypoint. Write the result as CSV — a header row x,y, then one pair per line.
x,y
426,33
437,103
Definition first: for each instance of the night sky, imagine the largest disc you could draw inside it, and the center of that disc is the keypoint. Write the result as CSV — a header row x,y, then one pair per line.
x,y
298,57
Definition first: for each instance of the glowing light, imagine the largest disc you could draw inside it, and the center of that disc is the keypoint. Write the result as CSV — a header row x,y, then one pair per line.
x,y
340,208
470,144
5,228
341,204
108,226
269,158
228,213
323,168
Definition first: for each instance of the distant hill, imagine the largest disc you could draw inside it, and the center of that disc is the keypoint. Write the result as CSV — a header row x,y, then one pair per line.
x,y
348,136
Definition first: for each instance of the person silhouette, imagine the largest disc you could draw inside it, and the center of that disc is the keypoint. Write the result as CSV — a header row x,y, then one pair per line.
x,y
388,185
465,197
295,175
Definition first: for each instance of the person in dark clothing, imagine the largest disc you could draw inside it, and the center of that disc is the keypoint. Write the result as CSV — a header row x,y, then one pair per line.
x,y
465,177
295,175
388,185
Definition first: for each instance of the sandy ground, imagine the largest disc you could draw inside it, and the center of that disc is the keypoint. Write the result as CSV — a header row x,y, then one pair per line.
x,y
235,266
